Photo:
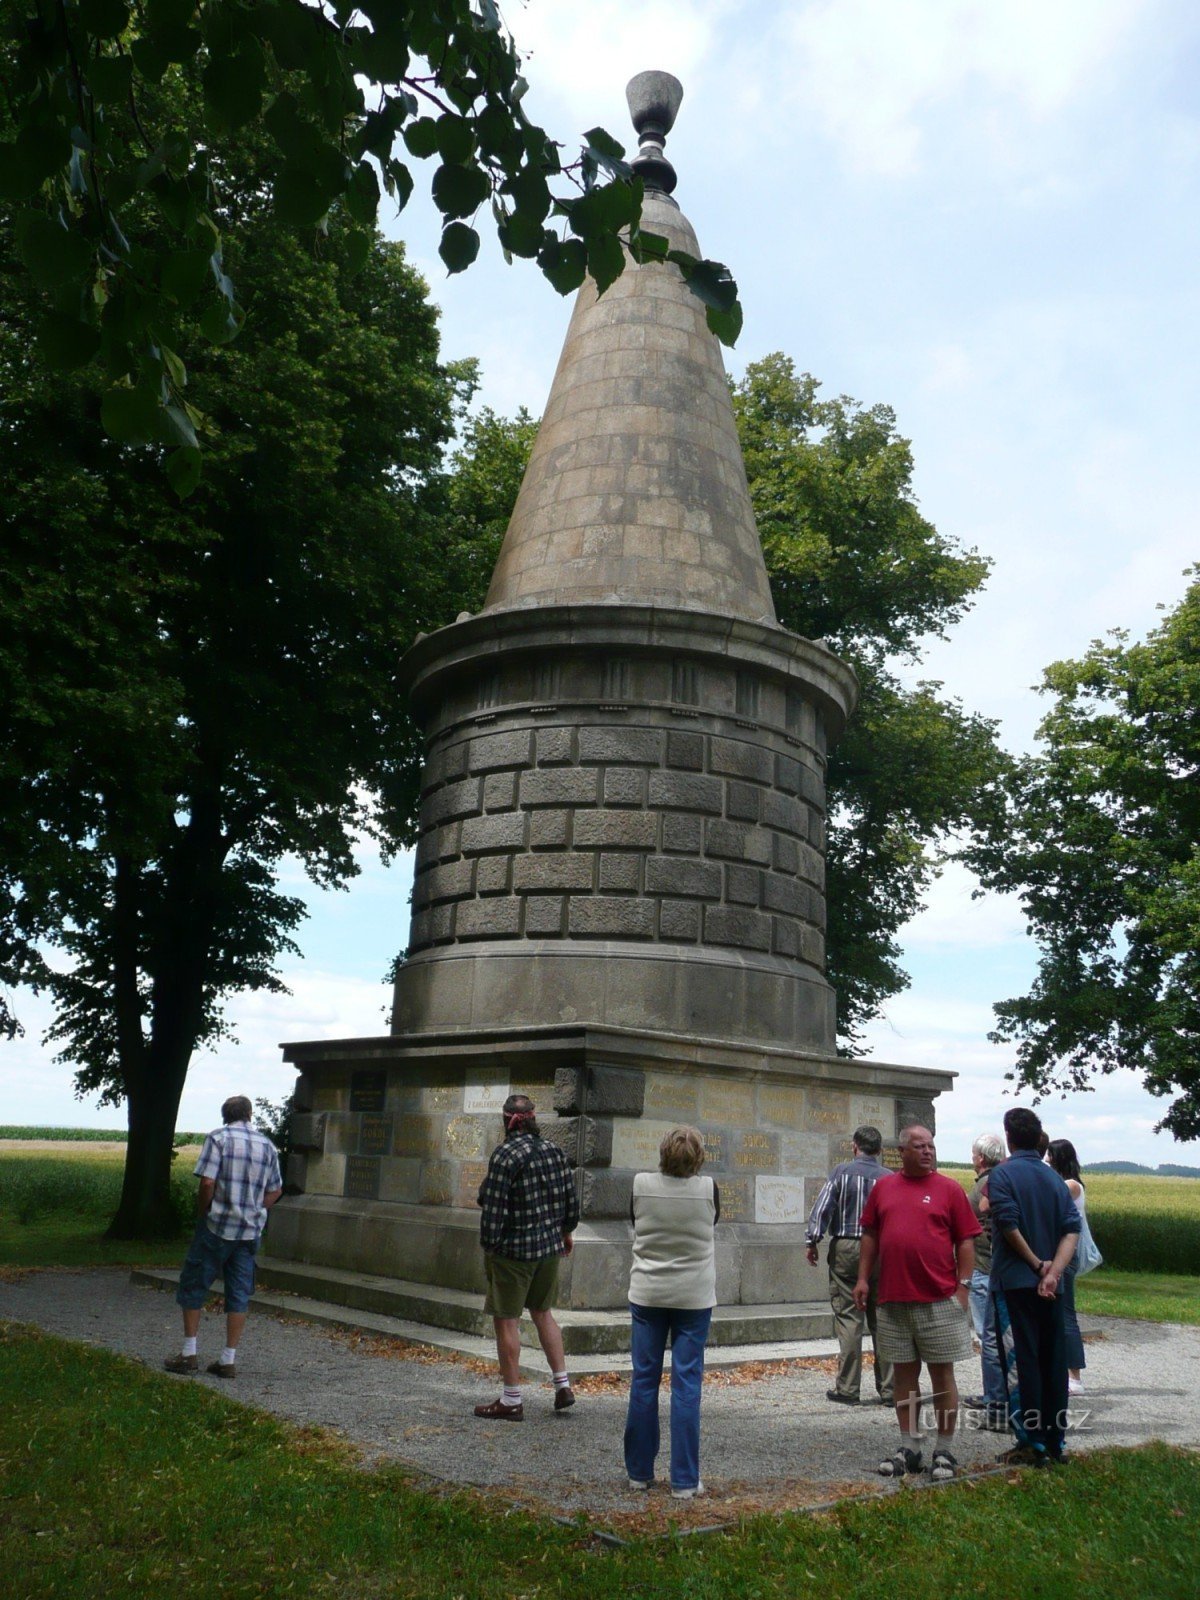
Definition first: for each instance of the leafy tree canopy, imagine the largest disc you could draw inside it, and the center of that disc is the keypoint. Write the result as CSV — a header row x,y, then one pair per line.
x,y
1100,835
345,96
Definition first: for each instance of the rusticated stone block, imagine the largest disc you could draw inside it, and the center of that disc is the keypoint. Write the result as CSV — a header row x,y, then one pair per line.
x,y
308,1130
785,854
449,761
538,873
685,751
505,830
682,833
599,1091
606,1193
295,1172
742,799
624,786
611,917
492,874
544,916
302,1094
785,937
743,885
491,751
488,919
549,830
448,803
620,873
737,841
620,830
451,881
782,812
737,759
585,1141
668,875
680,920
553,746
812,787
686,791
500,791
786,895
434,926
559,786
748,930
787,774
438,844
628,746
912,1109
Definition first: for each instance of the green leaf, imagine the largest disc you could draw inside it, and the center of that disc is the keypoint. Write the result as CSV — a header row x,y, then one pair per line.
x,y
564,264
530,194
607,208
65,342
299,199
185,274
358,251
421,137
221,322
459,246
52,253
455,138
710,281
497,133
399,183
459,191
605,259
104,19
522,235
362,195
175,427
233,87
130,415
649,246
727,325
110,78
38,153
150,59
183,470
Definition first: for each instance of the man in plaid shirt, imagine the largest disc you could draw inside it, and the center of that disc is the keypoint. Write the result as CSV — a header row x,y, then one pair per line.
x,y
530,1212
239,1183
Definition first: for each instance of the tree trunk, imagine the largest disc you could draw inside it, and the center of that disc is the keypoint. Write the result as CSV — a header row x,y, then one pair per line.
x,y
145,1210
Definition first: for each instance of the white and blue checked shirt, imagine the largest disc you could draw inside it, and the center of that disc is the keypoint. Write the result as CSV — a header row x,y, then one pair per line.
x,y
243,1164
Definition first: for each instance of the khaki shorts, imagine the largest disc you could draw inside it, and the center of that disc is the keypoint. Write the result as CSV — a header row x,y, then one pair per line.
x,y
516,1286
910,1331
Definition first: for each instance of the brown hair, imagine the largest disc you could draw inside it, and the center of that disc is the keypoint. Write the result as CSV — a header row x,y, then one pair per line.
x,y
236,1109
518,1113
681,1154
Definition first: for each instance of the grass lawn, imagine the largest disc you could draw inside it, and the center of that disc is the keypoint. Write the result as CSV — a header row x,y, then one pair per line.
x,y
1152,1296
116,1480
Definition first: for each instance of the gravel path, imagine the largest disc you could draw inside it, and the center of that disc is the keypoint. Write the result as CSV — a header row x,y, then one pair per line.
x,y
771,1441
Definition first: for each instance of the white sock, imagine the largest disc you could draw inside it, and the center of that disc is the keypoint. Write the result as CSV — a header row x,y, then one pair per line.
x,y
511,1397
561,1381
229,1356
189,1347
945,1441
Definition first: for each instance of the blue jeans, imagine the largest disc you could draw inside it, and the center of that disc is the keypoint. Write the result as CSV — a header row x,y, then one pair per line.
x,y
983,1315
209,1258
688,1331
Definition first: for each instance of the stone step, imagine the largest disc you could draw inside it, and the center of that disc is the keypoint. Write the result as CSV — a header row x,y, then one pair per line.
x,y
454,1320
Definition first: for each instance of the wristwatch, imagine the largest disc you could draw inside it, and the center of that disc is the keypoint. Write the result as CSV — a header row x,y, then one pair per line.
x,y
964,1283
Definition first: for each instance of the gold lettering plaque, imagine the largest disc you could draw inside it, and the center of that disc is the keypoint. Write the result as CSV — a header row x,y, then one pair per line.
x,y
439,1181
827,1111
636,1141
362,1178
723,1100
736,1201
805,1155
374,1135
470,1176
755,1151
714,1150
417,1136
670,1094
873,1111
467,1137
781,1103
442,1097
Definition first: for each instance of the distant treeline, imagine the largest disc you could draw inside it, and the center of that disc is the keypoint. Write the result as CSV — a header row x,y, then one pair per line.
x,y
1165,1169
87,1135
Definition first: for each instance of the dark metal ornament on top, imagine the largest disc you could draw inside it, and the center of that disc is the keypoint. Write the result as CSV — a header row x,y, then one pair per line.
x,y
654,99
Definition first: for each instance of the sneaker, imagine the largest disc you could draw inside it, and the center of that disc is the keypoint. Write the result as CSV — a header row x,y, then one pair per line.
x,y
687,1494
222,1369
842,1399
181,1364
640,1483
976,1402
905,1460
1075,1386
497,1411
564,1398
944,1467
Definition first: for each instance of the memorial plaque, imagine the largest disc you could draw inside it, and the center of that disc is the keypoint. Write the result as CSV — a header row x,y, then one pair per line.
x,y
781,1103
670,1094
636,1141
442,1097
470,1175
841,1150
874,1111
486,1089
756,1151
716,1150
812,1188
439,1183
325,1174
417,1136
362,1178
467,1138
891,1158
805,1155
375,1135
827,1111
722,1100
779,1200
400,1181
736,1202
368,1091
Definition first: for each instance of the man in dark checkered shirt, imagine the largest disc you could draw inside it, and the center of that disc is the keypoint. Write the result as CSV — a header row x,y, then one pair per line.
x,y
530,1212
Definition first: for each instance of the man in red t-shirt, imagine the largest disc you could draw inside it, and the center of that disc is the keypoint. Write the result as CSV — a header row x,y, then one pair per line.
x,y
920,1228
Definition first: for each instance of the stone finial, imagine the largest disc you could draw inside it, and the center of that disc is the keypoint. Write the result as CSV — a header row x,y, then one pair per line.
x,y
654,99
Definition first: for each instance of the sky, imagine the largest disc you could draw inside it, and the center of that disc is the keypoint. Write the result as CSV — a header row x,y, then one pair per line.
x,y
979,212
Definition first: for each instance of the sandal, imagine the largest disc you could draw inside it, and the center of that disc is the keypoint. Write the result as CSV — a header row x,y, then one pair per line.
x,y
903,1461
944,1467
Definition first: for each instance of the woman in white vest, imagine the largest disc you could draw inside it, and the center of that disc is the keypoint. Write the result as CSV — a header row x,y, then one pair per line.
x,y
672,1291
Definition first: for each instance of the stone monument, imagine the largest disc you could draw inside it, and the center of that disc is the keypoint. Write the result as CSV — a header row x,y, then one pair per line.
x,y
618,905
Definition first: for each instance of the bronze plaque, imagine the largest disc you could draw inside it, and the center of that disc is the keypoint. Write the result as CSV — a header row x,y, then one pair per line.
x,y
737,1199
466,1137
756,1151
417,1135
362,1178
375,1135
442,1097
827,1111
470,1175
722,1100
670,1094
367,1091
438,1183
891,1158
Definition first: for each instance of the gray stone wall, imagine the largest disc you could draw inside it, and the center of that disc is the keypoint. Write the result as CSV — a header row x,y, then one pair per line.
x,y
683,824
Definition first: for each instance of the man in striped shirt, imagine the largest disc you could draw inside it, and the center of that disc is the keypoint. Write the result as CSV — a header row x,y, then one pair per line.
x,y
838,1212
239,1183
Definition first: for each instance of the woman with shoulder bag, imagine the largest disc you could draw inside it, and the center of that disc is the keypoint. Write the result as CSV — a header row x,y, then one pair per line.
x,y
1065,1162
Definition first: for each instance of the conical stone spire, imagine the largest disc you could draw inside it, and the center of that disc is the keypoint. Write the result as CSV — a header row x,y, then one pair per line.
x,y
636,492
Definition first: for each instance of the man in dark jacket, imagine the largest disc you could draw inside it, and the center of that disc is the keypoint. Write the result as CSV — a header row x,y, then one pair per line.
x,y
1035,1229
838,1211
530,1213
